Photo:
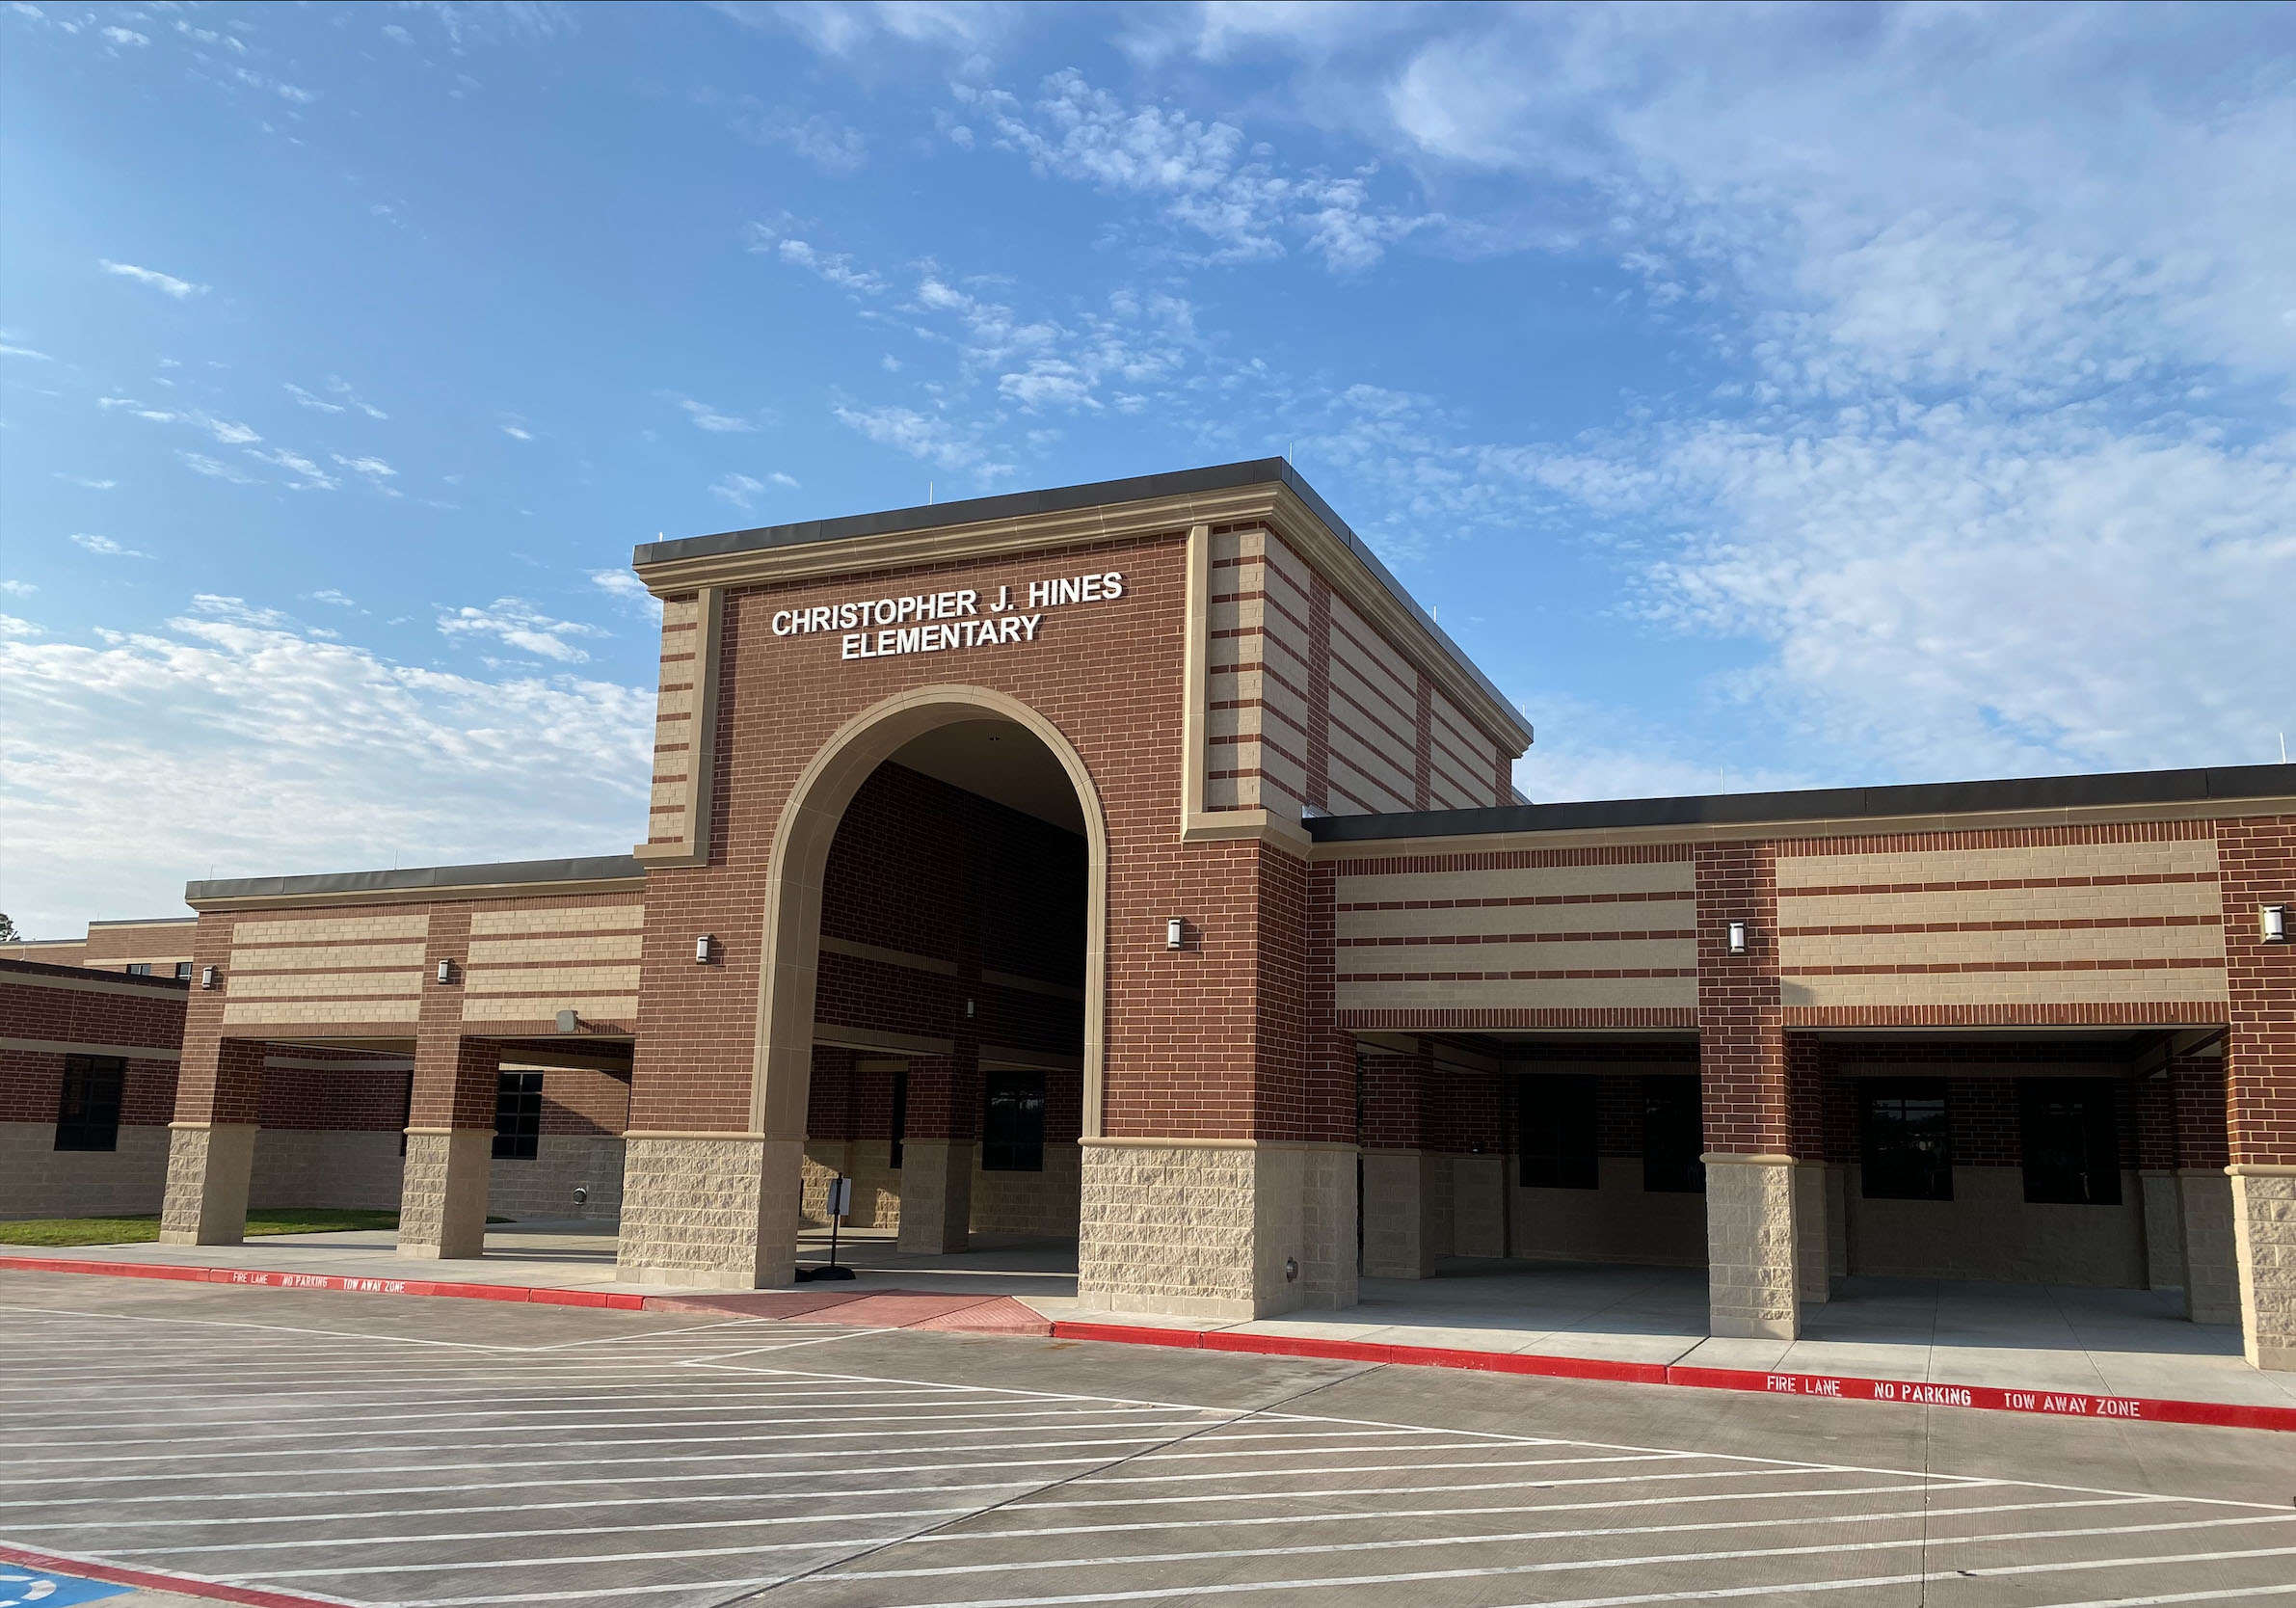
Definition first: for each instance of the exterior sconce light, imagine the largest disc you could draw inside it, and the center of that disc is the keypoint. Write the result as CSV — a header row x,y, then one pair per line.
x,y
2275,923
210,978
446,970
1174,929
568,1022
1737,937
702,947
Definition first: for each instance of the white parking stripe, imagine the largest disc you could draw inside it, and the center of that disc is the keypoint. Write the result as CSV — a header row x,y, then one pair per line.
x,y
822,1519
1239,1587
1409,1543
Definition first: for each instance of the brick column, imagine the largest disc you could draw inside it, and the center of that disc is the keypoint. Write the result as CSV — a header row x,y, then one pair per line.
x,y
1806,1114
212,1145
450,1148
937,1152
450,1111
2256,867
1753,1251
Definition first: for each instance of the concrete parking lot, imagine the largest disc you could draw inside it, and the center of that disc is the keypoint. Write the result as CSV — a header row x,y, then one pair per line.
x,y
445,1454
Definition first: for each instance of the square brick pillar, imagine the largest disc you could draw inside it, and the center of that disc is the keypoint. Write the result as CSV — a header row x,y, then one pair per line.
x,y
1754,1249
212,1145
450,1148
2256,867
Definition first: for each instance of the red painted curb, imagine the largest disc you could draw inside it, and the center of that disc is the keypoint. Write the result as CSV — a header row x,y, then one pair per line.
x,y
2126,1409
1983,1398
58,1563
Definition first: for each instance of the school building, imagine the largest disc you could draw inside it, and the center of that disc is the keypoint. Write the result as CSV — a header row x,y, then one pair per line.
x,y
1135,864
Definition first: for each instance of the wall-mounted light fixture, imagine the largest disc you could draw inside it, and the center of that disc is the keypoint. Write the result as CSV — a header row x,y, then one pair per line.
x,y
446,970
211,977
1737,933
1174,930
704,946
2273,922
568,1022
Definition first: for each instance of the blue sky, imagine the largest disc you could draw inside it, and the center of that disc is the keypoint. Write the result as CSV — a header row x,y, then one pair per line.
x,y
1775,397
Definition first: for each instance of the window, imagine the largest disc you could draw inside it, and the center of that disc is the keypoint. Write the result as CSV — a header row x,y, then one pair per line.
x,y
139,968
900,1113
183,971
2071,1140
1559,1132
1907,1149
1673,1134
1012,1124
517,1115
88,1116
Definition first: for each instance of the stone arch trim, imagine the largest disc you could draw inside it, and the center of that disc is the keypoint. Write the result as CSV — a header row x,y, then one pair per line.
x,y
791,953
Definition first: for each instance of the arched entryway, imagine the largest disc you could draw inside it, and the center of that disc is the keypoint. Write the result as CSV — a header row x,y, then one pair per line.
x,y
986,1027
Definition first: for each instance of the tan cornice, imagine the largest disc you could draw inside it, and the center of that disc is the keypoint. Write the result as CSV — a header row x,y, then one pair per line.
x,y
1778,831
1272,503
449,895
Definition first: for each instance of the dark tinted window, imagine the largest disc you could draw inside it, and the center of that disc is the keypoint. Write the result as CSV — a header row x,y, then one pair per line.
x,y
517,1115
139,968
2072,1141
1673,1134
1012,1124
1559,1132
88,1116
1907,1149
183,971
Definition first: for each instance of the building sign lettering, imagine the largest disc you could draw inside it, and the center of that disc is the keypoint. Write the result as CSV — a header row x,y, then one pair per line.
x,y
940,622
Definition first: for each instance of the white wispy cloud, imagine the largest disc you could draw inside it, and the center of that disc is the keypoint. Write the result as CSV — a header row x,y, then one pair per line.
x,y
850,28
627,589
220,744
310,401
518,432
739,490
303,473
374,471
168,283
8,351
215,468
88,484
333,597
705,417
228,432
125,37
836,267
518,624
11,625
103,547
19,589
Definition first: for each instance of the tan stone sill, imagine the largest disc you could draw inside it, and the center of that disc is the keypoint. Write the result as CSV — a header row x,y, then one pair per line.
x,y
1725,1158
684,1134
1207,826
1212,1144
2260,1169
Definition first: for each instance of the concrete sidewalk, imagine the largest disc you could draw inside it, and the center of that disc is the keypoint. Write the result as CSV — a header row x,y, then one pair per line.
x,y
2041,1338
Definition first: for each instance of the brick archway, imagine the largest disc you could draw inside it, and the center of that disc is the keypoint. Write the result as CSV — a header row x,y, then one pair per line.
x,y
781,1068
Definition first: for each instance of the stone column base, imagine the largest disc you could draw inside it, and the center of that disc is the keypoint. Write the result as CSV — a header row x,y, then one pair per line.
x,y
209,1167
1752,1251
936,1196
717,1210
1215,1228
2265,1239
443,1199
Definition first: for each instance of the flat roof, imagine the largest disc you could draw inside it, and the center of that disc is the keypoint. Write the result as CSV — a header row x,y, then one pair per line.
x,y
1061,500
146,920
595,869
1921,798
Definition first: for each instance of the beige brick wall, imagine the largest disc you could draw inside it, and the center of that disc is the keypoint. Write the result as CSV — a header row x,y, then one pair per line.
x,y
1967,933
542,1188
1616,1222
1988,1231
346,1169
37,1180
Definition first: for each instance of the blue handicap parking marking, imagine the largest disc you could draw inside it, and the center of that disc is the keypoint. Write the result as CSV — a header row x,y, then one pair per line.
x,y
19,1588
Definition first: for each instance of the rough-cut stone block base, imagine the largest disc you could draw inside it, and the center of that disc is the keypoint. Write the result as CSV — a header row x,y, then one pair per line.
x,y
936,1196
2265,1230
544,1188
1753,1288
38,1180
2211,1252
443,1204
1216,1231
208,1175
717,1212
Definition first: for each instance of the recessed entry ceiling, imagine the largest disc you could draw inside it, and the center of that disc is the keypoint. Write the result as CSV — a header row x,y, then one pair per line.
x,y
1003,762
